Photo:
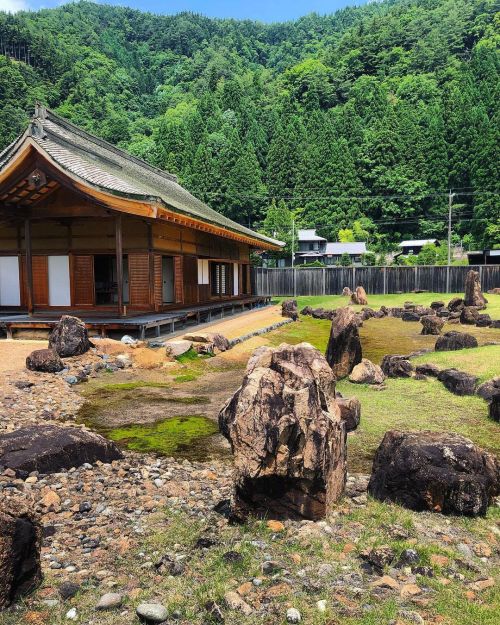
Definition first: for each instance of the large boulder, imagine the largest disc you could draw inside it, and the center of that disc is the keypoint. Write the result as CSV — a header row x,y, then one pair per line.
x,y
69,337
438,305
489,388
473,294
431,324
20,544
359,297
49,448
409,315
469,315
455,340
397,366
343,352
438,472
44,360
322,313
456,304
174,349
458,382
286,434
289,309
350,412
216,342
483,321
367,373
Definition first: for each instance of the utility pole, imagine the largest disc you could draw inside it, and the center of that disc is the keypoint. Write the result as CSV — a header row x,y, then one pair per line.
x,y
293,240
450,204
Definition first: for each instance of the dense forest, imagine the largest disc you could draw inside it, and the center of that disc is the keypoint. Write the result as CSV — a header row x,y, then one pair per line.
x,y
357,121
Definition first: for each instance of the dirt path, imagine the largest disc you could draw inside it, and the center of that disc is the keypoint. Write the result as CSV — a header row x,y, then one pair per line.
x,y
13,353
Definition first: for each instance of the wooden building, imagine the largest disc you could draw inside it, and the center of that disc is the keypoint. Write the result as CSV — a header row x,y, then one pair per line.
x,y
87,227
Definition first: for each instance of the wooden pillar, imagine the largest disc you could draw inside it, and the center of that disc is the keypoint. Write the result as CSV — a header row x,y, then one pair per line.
x,y
119,261
29,265
151,267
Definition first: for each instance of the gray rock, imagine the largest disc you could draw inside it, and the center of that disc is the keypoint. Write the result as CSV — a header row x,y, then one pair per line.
x,y
293,616
174,349
152,612
109,601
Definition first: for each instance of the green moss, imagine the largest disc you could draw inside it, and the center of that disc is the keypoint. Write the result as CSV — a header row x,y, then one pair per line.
x,y
185,377
165,437
189,356
129,386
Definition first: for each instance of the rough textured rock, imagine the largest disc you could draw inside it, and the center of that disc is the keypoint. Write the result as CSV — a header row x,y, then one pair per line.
x,y
455,304
483,321
469,315
286,434
44,360
346,291
49,448
307,310
489,388
359,296
343,352
494,407
440,472
455,340
437,305
367,373
174,349
368,313
289,309
495,291
473,294
214,342
409,315
431,324
458,382
350,412
428,369
69,337
397,366
322,313
20,544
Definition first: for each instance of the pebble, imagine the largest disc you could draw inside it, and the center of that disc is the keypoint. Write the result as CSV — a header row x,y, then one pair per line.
x,y
72,614
152,612
109,601
321,605
293,616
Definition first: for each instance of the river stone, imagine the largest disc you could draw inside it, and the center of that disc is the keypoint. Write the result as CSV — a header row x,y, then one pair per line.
x,y
455,340
458,382
174,349
49,448
289,309
44,360
473,294
69,337
438,472
152,612
20,544
367,373
343,351
286,434
397,366
431,324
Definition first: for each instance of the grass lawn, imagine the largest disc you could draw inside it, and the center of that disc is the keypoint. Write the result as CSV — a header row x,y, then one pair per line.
x,y
484,361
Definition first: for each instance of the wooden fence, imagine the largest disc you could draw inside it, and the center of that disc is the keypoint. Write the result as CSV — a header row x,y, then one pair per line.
x,y
375,280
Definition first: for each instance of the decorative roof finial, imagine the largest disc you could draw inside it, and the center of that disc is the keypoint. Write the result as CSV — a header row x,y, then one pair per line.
x,y
40,111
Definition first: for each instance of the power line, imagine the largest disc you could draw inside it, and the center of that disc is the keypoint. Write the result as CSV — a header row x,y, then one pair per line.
x,y
347,198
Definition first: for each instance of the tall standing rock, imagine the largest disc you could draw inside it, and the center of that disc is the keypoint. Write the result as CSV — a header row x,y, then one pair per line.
x,y
289,309
286,434
473,294
20,543
343,352
69,337
359,297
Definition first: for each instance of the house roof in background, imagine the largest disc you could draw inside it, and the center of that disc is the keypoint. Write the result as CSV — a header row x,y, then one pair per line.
x,y
309,234
107,169
357,247
417,242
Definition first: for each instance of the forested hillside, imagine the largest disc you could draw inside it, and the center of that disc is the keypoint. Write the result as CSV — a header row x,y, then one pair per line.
x,y
373,112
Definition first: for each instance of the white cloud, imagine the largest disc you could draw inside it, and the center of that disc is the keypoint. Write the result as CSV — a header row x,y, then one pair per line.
x,y
13,6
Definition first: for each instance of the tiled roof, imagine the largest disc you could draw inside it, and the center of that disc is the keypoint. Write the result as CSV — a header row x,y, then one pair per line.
x,y
309,234
105,167
417,242
346,248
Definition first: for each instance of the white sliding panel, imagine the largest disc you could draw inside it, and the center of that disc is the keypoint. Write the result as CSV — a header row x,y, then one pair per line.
x,y
10,289
59,283
236,279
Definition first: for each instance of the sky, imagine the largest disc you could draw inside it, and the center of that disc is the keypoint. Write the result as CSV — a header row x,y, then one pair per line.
x,y
264,10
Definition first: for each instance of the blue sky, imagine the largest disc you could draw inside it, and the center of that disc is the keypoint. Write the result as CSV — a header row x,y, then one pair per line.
x,y
265,10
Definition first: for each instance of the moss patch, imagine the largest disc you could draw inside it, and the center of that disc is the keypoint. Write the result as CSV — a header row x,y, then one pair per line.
x,y
165,437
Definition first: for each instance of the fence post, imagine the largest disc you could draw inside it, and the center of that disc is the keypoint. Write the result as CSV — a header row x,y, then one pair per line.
x,y
353,278
267,281
481,275
324,280
447,278
294,282
384,269
415,271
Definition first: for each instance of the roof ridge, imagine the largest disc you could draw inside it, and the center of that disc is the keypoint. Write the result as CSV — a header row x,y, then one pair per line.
x,y
51,116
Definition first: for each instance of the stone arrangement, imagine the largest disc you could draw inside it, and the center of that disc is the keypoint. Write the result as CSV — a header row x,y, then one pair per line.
x,y
438,472
289,309
343,351
286,434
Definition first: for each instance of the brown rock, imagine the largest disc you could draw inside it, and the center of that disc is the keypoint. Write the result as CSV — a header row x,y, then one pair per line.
x,y
289,309
20,544
431,324
350,412
473,294
69,337
359,297
386,581
397,366
367,373
343,352
44,360
286,434
217,342
455,340
346,291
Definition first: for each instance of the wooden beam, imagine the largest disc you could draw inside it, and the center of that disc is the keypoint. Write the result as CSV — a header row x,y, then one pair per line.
x,y
151,265
119,262
29,266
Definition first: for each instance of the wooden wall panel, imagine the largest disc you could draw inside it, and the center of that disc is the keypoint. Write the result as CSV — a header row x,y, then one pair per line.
x,y
40,270
158,281
190,273
178,279
138,276
82,284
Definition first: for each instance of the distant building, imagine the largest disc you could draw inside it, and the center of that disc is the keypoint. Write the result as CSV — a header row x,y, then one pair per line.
x,y
311,247
335,251
409,248
484,257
